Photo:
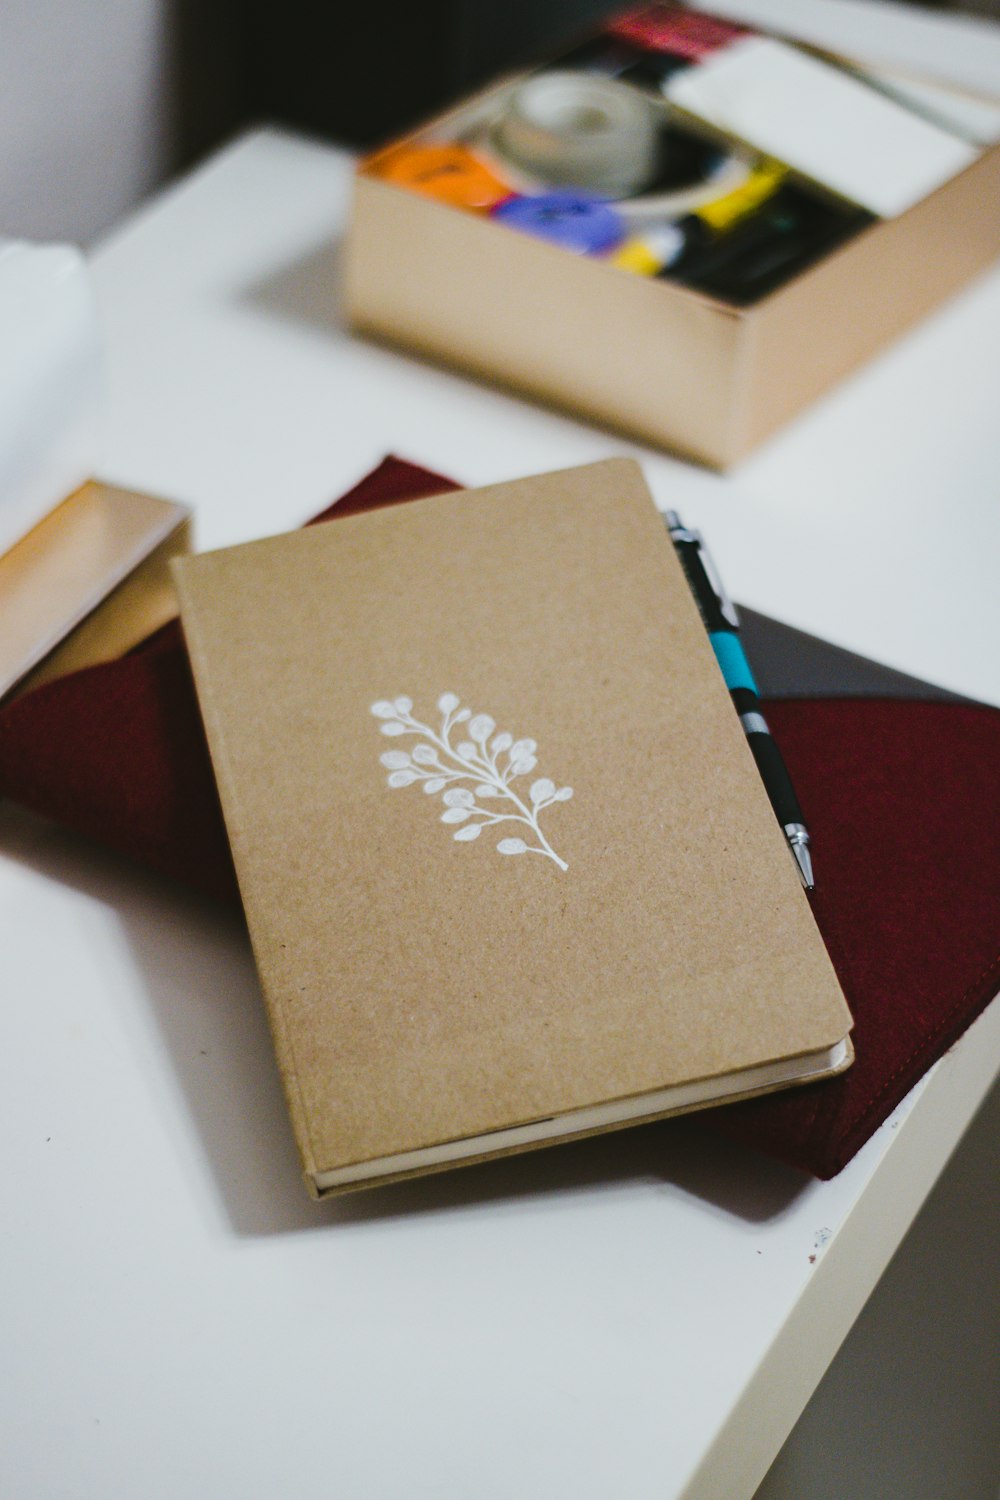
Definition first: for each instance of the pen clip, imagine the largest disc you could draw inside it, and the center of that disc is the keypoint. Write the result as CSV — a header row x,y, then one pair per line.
x,y
726,604
681,533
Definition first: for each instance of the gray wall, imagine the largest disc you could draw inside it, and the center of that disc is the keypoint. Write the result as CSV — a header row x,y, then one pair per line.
x,y
101,100
86,115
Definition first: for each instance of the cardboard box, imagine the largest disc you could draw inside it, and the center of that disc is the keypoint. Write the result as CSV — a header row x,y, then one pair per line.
x,y
87,583
654,359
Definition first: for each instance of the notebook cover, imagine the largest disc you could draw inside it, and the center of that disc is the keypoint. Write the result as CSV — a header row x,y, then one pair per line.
x,y
117,754
502,847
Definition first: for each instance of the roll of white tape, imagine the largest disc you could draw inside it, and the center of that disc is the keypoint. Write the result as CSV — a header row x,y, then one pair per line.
x,y
575,130
51,382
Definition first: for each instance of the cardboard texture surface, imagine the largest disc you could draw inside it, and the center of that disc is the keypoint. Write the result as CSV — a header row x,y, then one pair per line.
x,y
423,989
87,583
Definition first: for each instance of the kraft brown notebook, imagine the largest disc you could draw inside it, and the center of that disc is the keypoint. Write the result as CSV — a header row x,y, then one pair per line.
x,y
509,872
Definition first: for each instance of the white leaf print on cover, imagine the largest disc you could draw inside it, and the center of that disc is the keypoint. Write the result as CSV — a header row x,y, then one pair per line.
x,y
479,769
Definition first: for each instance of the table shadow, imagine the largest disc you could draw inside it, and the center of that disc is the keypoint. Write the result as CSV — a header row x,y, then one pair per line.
x,y
199,993
307,290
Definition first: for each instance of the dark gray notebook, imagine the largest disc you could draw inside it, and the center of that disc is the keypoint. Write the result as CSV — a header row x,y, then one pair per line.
x,y
789,663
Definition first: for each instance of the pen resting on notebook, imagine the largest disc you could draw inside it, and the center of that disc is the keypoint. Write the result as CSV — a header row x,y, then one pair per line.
x,y
718,612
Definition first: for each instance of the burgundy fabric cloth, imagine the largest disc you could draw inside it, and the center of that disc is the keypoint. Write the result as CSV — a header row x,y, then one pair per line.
x,y
903,800
903,804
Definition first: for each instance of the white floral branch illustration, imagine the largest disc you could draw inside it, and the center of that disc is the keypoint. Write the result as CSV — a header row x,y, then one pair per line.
x,y
487,761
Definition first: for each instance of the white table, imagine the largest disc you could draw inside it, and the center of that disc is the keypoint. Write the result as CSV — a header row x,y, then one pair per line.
x,y
642,1315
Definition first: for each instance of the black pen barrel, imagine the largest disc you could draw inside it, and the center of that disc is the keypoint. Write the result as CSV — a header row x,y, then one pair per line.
x,y
770,761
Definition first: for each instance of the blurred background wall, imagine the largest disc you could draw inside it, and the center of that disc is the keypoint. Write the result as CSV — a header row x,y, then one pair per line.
x,y
85,106
101,100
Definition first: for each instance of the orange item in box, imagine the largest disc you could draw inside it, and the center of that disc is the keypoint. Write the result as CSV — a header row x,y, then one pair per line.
x,y
451,173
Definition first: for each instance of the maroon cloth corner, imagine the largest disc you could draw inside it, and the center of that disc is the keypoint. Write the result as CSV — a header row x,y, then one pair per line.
x,y
117,753
903,800
393,482
903,804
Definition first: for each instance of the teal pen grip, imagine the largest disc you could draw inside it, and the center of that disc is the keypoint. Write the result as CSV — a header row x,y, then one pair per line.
x,y
731,657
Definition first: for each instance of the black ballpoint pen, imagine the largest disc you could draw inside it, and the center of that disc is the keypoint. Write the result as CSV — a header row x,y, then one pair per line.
x,y
720,619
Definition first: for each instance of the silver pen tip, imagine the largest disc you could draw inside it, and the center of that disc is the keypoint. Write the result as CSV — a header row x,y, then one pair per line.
x,y
798,842
804,862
